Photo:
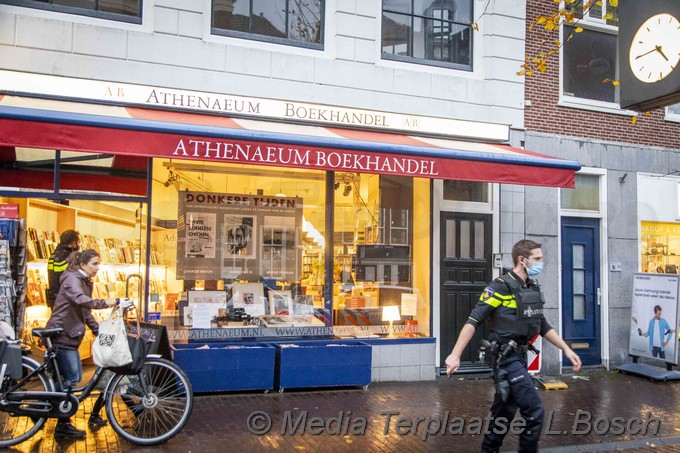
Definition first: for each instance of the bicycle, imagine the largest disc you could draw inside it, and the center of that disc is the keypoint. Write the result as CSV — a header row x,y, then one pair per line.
x,y
145,409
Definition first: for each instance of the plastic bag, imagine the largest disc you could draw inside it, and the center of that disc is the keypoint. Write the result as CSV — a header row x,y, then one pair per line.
x,y
110,348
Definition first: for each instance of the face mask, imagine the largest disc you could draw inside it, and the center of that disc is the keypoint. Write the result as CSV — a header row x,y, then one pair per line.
x,y
535,268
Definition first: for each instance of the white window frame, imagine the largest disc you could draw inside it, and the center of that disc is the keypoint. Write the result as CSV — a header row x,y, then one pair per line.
x,y
597,25
672,116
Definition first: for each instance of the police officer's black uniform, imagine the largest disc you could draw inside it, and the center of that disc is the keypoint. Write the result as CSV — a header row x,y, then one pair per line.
x,y
514,308
56,265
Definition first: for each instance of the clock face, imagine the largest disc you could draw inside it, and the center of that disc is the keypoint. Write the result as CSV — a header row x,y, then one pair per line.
x,y
655,50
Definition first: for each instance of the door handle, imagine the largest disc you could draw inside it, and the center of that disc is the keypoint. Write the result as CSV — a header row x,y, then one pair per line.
x,y
599,295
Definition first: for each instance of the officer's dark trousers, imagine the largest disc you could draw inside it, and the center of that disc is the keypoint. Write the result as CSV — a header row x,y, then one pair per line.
x,y
523,396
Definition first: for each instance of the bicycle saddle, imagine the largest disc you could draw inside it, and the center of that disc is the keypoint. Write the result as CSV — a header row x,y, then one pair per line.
x,y
47,333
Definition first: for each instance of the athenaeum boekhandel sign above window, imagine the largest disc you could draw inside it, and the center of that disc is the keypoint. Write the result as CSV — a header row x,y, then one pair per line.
x,y
226,104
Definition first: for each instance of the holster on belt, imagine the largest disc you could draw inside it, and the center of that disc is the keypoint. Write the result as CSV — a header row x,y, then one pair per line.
x,y
494,353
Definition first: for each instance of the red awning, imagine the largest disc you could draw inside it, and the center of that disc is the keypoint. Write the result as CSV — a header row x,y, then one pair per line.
x,y
129,131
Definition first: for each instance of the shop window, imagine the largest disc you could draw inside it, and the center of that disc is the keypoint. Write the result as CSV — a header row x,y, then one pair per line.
x,y
292,22
385,263
466,191
246,248
434,32
585,196
120,10
660,247
116,230
244,245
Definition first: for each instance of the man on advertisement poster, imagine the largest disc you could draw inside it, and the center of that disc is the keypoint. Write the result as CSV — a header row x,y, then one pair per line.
x,y
658,332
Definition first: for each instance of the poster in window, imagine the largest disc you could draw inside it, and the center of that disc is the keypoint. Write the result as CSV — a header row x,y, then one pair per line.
x,y
200,231
239,236
278,255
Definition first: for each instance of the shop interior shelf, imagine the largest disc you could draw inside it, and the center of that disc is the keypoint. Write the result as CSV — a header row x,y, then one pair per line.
x,y
227,366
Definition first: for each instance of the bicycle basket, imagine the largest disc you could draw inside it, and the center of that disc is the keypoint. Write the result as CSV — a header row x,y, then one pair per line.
x,y
10,359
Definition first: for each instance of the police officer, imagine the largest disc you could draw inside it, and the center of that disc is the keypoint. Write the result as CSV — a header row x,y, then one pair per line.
x,y
513,304
69,242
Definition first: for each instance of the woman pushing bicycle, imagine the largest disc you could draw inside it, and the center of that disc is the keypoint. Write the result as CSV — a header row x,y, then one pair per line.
x,y
72,311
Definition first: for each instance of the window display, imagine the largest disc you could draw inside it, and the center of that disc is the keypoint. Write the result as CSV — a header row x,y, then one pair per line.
x,y
660,244
258,236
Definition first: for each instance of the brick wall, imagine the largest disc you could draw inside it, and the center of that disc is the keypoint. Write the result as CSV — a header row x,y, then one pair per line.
x,y
544,115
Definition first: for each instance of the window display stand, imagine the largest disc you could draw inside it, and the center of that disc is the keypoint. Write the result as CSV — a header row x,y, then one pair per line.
x,y
221,367
307,364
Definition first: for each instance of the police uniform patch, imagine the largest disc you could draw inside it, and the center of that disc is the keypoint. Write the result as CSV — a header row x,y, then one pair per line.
x,y
488,292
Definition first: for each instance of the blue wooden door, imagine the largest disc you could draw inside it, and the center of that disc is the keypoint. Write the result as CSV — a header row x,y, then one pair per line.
x,y
581,288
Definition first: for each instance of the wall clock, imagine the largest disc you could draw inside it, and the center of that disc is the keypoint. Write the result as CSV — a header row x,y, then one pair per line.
x,y
655,49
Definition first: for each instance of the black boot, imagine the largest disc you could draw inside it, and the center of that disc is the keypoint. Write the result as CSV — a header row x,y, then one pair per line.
x,y
64,428
96,421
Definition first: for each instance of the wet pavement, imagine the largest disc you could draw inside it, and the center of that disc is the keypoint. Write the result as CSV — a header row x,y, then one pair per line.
x,y
640,414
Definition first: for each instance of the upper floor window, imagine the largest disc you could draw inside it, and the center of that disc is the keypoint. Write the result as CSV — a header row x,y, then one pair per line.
x,y
121,10
673,112
434,32
589,57
292,22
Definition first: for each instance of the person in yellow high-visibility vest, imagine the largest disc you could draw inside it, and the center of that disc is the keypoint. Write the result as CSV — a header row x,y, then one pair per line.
x,y
69,242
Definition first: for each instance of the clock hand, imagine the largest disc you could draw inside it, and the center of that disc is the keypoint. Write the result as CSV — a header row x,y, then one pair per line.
x,y
658,49
647,53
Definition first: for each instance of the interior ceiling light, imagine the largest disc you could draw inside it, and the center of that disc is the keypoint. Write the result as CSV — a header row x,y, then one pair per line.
x,y
173,179
347,190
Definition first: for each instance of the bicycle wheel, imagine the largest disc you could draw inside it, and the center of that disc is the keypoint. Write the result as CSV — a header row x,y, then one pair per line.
x,y
151,407
15,429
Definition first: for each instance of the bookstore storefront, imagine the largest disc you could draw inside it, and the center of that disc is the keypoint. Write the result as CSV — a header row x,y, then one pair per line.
x,y
241,228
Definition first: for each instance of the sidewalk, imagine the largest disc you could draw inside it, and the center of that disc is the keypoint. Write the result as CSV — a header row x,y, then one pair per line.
x,y
368,420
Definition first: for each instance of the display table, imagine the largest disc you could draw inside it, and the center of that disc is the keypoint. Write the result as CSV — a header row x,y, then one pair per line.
x,y
306,364
215,367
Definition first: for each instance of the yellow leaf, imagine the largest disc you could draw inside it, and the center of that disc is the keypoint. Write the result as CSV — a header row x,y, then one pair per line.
x,y
542,67
536,60
648,113
529,73
614,3
550,25
349,441
608,16
633,120
531,27
606,81
569,17
578,29
557,42
475,26
540,20
551,53
521,73
598,3
616,83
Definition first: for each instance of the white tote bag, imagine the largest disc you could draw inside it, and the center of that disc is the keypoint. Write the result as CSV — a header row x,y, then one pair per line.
x,y
110,348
